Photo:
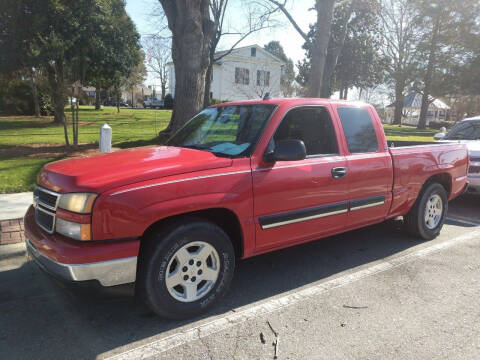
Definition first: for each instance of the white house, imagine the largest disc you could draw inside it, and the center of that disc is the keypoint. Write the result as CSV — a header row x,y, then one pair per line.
x,y
437,110
246,73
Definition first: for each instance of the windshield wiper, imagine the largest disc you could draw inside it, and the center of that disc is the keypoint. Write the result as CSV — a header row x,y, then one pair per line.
x,y
220,154
207,148
196,147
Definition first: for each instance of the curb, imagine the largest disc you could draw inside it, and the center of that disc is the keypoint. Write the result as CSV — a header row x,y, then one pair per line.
x,y
12,250
11,231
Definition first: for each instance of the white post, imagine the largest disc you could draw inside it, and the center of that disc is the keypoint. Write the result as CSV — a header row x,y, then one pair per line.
x,y
105,142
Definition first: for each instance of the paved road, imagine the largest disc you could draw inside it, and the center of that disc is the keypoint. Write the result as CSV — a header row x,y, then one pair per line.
x,y
372,294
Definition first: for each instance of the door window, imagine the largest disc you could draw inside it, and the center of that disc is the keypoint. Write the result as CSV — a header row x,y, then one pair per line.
x,y
313,126
358,128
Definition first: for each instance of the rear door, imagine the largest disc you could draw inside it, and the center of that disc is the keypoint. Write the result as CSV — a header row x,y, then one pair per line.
x,y
299,200
370,173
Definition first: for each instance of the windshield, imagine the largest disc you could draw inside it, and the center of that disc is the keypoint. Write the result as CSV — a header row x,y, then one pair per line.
x,y
224,130
465,130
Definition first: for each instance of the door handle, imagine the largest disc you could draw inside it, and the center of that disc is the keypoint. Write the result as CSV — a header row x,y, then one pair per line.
x,y
339,172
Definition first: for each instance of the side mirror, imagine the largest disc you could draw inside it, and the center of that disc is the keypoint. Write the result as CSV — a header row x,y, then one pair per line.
x,y
287,150
439,136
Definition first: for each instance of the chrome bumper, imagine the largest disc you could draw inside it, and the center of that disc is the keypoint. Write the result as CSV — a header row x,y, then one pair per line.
x,y
108,273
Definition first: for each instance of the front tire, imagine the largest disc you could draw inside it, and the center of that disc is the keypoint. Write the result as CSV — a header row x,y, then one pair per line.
x,y
185,269
425,219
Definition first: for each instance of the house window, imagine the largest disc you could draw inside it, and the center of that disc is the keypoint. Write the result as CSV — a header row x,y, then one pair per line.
x,y
242,76
263,78
253,52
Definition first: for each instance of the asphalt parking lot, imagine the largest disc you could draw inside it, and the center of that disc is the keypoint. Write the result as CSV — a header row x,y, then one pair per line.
x,y
369,294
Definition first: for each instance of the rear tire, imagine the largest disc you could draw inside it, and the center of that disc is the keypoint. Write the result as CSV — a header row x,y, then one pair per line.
x,y
185,269
425,219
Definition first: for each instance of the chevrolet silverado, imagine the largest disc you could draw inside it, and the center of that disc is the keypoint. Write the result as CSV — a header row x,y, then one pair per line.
x,y
238,180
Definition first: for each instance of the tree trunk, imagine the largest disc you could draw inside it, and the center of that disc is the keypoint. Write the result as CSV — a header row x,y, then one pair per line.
x,y
208,84
422,120
72,109
345,93
399,87
164,89
97,97
117,95
57,86
327,77
189,96
77,121
36,103
332,56
74,119
192,30
319,50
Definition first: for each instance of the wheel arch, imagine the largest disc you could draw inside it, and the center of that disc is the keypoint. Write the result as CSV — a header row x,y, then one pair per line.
x,y
225,218
444,179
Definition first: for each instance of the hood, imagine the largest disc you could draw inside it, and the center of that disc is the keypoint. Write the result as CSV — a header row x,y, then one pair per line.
x,y
102,172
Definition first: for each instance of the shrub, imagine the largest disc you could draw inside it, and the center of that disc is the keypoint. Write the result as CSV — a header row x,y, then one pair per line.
x,y
16,97
168,101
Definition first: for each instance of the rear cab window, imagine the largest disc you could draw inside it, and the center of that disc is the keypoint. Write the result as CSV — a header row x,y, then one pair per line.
x,y
359,129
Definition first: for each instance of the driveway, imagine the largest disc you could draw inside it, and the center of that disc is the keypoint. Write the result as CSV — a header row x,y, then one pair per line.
x,y
373,293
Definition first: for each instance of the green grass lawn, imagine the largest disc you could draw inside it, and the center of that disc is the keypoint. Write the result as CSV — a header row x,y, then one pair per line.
x,y
27,143
128,125
20,162
408,133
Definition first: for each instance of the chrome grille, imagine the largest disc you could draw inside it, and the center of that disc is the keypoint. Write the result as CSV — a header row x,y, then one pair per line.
x,y
45,203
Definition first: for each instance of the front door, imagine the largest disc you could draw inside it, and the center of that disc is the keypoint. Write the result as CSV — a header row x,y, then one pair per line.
x,y
296,201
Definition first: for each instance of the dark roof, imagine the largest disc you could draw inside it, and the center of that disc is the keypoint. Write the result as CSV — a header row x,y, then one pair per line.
x,y
414,100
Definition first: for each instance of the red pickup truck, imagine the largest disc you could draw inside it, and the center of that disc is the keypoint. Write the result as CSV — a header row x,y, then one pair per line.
x,y
239,179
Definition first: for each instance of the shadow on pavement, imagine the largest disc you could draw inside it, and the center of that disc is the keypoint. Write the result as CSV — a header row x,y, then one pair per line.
x,y
42,320
465,207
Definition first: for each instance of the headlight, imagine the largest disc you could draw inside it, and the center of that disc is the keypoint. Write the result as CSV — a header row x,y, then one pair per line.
x,y
73,230
77,202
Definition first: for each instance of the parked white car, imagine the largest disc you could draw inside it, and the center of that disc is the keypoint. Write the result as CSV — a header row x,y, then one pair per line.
x,y
467,131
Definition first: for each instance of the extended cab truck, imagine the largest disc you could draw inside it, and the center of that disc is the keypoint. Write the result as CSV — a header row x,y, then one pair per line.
x,y
238,180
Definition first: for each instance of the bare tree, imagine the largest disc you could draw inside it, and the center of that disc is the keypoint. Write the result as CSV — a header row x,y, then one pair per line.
x,y
319,43
192,32
159,54
400,33
258,17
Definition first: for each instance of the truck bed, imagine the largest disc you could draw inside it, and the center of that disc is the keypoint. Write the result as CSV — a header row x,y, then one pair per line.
x,y
415,162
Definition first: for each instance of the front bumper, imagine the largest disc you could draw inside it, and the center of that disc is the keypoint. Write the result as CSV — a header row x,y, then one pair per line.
x,y
107,273
109,263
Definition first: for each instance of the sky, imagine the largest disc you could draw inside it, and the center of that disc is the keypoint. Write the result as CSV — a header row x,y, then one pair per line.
x,y
141,12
